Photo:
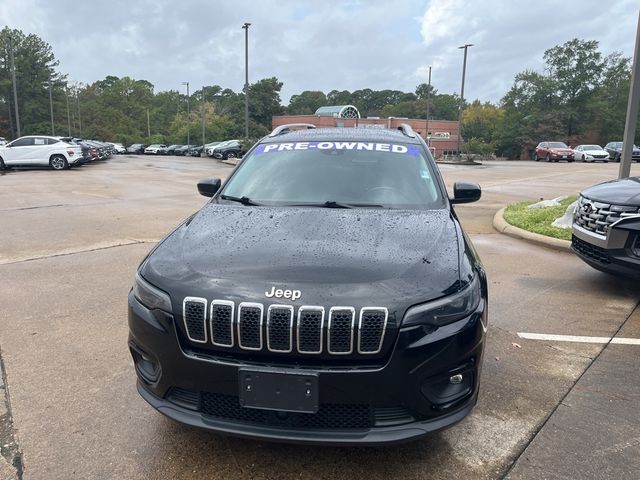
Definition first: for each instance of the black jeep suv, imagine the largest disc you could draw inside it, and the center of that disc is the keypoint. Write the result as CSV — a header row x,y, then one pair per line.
x,y
325,294
606,227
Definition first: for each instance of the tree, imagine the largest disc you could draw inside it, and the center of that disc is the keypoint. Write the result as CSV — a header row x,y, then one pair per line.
x,y
481,120
306,103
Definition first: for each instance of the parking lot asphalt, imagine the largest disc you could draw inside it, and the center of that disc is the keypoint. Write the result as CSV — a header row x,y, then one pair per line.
x,y
71,242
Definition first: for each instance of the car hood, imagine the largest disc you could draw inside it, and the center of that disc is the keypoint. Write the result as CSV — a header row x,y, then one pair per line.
x,y
594,152
561,151
620,192
333,256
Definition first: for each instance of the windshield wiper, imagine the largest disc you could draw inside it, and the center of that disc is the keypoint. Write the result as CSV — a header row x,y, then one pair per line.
x,y
332,204
243,200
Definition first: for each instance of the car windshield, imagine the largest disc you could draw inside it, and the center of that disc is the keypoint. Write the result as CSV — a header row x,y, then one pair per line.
x,y
336,174
591,147
557,145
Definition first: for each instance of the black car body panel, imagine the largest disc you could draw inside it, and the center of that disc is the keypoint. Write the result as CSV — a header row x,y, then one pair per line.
x,y
615,151
418,379
606,227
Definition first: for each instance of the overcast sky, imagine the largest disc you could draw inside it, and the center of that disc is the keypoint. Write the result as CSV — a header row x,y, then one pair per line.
x,y
319,45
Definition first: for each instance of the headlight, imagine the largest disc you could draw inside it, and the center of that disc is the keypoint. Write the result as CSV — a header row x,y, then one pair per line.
x,y
150,296
447,309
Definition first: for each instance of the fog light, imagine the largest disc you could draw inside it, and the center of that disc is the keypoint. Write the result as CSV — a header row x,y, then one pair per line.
x,y
147,369
636,247
456,379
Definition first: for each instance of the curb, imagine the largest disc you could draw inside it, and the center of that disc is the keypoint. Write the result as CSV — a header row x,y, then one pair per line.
x,y
501,225
231,161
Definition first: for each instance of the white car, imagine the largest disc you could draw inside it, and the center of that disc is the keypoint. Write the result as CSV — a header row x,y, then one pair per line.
x,y
156,149
40,150
590,153
118,147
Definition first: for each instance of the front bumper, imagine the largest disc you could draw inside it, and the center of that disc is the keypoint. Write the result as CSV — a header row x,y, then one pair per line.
x,y
612,254
405,398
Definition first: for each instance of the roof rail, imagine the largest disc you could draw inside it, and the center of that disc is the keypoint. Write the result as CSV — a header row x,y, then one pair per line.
x,y
282,129
407,130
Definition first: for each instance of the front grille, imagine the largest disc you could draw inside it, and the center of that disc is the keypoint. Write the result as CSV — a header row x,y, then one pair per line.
x,y
194,313
598,217
330,416
282,329
590,251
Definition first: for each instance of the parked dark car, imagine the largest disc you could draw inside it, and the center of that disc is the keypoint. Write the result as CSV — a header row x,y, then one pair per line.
x,y
136,148
325,294
615,151
196,150
606,227
171,149
182,150
229,149
553,152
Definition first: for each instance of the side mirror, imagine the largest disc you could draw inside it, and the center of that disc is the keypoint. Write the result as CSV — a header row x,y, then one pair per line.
x,y
209,186
465,192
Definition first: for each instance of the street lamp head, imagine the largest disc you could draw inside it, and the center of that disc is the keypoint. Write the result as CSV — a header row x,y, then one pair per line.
x,y
246,25
466,45
185,83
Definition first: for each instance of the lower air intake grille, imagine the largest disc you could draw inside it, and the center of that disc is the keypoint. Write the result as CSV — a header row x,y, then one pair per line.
x,y
590,251
330,416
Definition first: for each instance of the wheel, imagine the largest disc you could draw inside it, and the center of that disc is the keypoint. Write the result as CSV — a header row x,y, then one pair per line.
x,y
548,158
2,165
59,162
231,155
617,159
584,158
535,157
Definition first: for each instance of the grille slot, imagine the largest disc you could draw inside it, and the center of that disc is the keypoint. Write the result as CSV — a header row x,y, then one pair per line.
x,y
340,330
222,323
279,328
250,326
194,313
184,398
371,327
310,329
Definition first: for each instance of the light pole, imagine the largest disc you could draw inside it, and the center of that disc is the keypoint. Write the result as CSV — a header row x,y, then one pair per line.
x,y
426,133
15,88
188,118
66,94
53,128
202,112
633,106
246,79
464,69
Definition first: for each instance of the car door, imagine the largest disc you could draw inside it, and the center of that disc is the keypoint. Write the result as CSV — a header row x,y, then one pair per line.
x,y
18,152
39,154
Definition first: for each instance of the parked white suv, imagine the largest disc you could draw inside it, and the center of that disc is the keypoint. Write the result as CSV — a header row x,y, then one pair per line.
x,y
34,150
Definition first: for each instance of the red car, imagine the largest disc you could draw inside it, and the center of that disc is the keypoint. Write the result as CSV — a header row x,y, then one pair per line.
x,y
553,151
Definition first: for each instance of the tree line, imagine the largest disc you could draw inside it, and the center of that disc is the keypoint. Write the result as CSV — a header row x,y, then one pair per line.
x,y
580,96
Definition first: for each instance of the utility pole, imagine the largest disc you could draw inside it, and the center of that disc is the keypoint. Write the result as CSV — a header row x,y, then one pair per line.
x,y
633,106
464,69
202,112
188,118
246,79
15,88
148,125
53,128
426,133
79,117
66,94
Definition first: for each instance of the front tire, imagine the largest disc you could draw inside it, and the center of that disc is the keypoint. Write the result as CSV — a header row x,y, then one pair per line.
x,y
548,158
2,165
59,162
535,157
232,155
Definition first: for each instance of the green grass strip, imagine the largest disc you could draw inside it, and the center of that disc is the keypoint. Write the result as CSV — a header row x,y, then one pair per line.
x,y
539,220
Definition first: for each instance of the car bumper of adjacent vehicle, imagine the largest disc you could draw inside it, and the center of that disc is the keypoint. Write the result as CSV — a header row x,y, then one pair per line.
x,y
617,254
408,395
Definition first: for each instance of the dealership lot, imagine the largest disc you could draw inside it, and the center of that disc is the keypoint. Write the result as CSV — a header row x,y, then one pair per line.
x,y
71,242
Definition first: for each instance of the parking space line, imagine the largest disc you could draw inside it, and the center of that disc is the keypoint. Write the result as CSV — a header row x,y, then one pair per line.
x,y
579,338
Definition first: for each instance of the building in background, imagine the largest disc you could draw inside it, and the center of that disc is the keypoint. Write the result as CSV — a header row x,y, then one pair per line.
x,y
442,135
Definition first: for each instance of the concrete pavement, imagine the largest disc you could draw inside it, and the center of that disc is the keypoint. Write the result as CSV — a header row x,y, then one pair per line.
x,y
63,331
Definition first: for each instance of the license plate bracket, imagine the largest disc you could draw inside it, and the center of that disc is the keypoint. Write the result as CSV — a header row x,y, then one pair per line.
x,y
276,389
